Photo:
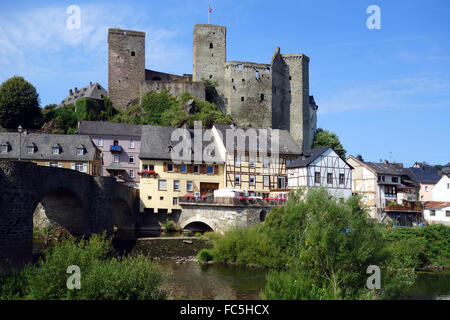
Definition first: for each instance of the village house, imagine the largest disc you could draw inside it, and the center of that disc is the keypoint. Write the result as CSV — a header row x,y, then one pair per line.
x,y
251,166
425,177
321,167
441,191
163,181
120,146
93,91
437,212
76,152
387,191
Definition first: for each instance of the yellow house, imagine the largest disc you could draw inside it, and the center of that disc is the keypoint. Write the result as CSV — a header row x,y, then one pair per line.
x,y
163,181
261,173
76,152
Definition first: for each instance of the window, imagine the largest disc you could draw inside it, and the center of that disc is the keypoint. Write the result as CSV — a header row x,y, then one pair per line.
x,y
116,158
78,166
288,162
266,162
448,185
55,150
131,159
189,186
237,179
80,151
211,45
170,167
4,148
116,143
447,213
183,168
251,163
426,188
262,97
237,162
131,144
329,178
281,182
100,142
161,198
422,197
252,180
317,177
383,178
55,165
148,167
30,149
242,98
432,213
176,185
196,169
341,178
175,201
395,179
131,173
266,181
209,169
162,185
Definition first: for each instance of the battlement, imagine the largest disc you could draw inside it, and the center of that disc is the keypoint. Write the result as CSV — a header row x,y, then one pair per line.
x,y
298,56
130,33
240,65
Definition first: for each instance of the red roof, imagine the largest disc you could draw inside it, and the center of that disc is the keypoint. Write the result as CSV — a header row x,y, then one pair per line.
x,y
436,205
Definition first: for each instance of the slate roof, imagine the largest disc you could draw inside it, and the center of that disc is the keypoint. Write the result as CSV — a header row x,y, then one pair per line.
x,y
424,174
387,168
44,143
156,140
86,92
307,157
109,128
287,145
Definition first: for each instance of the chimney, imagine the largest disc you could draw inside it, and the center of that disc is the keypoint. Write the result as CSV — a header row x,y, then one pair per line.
x,y
76,90
360,158
70,92
90,83
386,162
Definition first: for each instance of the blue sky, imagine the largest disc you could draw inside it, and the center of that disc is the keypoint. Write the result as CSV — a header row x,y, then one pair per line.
x,y
385,93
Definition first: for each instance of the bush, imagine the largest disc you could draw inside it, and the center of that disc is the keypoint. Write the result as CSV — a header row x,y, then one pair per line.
x,y
205,255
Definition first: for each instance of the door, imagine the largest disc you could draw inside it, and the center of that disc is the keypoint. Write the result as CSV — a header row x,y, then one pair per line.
x,y
207,187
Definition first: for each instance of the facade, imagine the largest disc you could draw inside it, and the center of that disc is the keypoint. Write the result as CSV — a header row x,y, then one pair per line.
x,y
120,146
274,94
382,186
76,152
441,191
128,80
258,174
321,167
164,182
437,212
92,91
426,177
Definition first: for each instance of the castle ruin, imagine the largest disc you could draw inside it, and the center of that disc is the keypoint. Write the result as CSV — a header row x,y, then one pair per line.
x,y
258,95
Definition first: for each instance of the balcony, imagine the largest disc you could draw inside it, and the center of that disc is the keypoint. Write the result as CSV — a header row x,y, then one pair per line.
x,y
113,148
233,202
408,206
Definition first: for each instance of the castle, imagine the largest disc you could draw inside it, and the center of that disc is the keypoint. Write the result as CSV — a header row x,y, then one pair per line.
x,y
259,95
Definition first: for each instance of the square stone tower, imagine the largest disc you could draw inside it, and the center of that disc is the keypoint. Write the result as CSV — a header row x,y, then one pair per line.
x,y
126,66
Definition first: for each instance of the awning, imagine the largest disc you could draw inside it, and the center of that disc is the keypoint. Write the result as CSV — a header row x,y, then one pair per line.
x,y
115,166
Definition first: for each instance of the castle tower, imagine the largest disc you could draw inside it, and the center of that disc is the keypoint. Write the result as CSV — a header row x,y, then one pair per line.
x,y
209,56
126,66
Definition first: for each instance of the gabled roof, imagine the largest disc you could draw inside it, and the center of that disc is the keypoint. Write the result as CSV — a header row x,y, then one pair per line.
x,y
425,174
387,168
287,145
109,128
86,92
436,205
306,158
156,142
44,143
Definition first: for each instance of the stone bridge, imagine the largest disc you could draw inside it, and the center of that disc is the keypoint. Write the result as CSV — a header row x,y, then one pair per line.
x,y
80,203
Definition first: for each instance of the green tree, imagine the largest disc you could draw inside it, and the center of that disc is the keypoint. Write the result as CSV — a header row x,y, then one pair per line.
x,y
325,138
19,104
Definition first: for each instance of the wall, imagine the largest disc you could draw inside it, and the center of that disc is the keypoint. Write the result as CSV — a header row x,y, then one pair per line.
x,y
441,191
425,193
125,72
149,186
440,216
196,89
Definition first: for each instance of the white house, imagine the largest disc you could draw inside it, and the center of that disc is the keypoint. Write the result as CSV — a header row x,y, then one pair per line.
x,y
441,191
321,167
437,212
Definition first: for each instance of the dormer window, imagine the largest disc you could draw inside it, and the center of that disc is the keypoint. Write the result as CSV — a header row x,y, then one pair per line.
x,y
30,149
56,149
80,150
4,148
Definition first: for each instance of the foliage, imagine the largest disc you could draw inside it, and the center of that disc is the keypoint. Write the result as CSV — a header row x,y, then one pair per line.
x,y
249,246
19,104
169,226
325,138
103,275
205,255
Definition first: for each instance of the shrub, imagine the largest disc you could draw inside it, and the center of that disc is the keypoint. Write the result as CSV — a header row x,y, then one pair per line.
x,y
205,255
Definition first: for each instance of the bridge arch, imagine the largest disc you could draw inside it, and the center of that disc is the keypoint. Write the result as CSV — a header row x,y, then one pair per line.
x,y
197,220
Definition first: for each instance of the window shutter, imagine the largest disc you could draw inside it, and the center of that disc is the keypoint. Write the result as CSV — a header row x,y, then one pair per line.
x,y
176,168
84,167
59,165
190,168
165,167
72,166
216,169
203,169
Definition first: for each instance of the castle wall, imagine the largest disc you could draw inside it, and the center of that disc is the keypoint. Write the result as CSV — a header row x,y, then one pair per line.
x,y
126,66
196,89
248,92
281,96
